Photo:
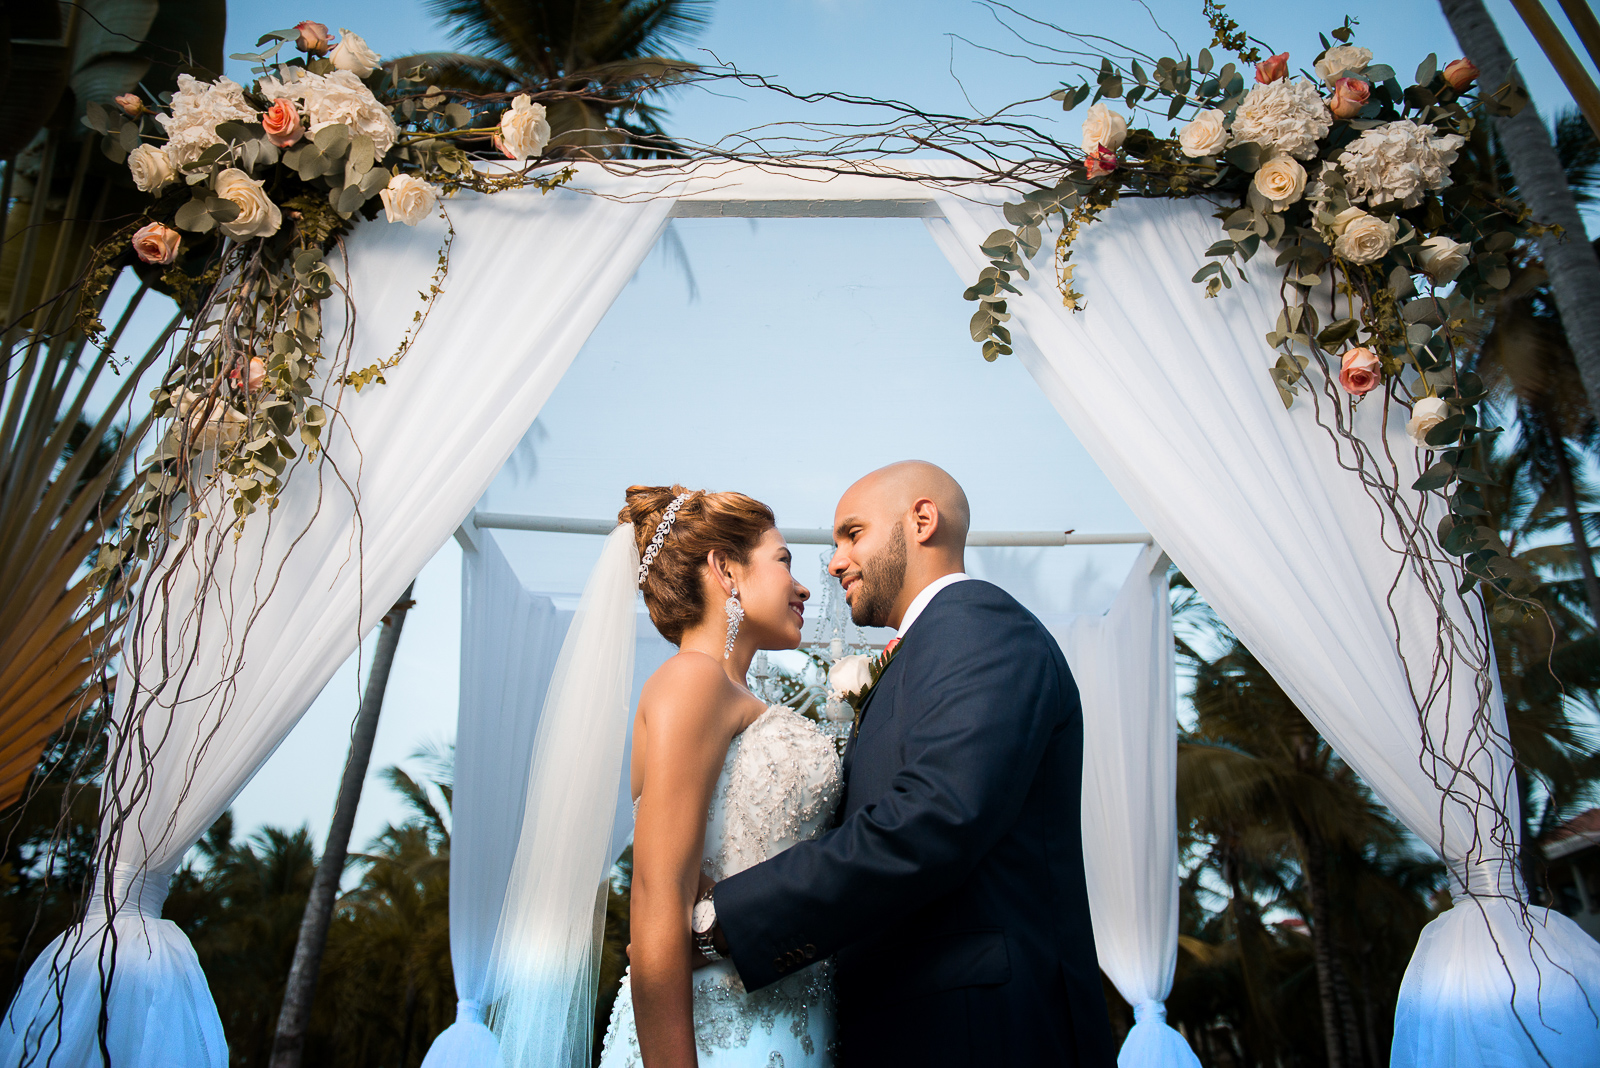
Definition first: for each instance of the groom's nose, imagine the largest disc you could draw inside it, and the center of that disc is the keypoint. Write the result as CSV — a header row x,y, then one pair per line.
x,y
840,562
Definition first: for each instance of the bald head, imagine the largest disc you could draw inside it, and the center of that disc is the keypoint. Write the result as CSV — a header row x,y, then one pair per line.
x,y
895,531
899,487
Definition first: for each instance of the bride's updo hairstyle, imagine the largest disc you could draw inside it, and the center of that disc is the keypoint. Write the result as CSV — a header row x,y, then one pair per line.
x,y
730,522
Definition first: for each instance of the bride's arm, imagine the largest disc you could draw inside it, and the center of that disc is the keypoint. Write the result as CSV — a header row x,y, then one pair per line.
x,y
688,722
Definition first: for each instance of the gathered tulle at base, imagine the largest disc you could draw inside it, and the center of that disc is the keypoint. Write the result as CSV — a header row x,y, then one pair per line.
x,y
159,1010
1488,988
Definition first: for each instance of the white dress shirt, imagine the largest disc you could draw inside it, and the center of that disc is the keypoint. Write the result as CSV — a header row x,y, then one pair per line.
x,y
920,601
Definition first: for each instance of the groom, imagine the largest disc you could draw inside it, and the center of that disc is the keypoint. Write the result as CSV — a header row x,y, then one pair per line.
x,y
951,892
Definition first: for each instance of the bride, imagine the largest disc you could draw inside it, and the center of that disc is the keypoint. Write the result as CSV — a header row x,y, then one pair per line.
x,y
721,782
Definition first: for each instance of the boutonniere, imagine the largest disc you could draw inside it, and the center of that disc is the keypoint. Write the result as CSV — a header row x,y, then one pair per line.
x,y
852,678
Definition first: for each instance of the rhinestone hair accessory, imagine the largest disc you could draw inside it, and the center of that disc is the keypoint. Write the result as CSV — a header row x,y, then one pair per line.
x,y
660,537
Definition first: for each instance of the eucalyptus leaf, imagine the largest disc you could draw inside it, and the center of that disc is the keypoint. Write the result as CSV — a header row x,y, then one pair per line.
x,y
194,217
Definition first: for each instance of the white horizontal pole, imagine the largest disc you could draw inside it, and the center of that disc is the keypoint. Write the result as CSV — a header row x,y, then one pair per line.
x,y
806,535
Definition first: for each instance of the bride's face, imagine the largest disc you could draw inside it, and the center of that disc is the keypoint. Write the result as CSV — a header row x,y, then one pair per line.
x,y
774,603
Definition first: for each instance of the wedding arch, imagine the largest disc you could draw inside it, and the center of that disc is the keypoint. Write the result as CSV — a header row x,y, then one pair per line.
x,y
1162,386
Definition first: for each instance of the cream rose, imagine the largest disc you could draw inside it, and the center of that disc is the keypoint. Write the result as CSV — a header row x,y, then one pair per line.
x,y
1281,181
1443,259
408,199
849,675
1363,238
258,215
156,243
1103,128
1205,135
1426,414
524,130
353,55
1340,58
151,168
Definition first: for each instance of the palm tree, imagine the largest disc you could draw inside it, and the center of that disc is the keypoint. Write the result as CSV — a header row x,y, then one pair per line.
x,y
597,58
1527,362
1573,265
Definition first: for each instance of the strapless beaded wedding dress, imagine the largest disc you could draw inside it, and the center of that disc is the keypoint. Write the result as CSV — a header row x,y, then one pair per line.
x,y
779,785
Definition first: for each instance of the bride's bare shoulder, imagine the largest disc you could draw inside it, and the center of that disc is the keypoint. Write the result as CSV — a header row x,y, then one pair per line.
x,y
690,690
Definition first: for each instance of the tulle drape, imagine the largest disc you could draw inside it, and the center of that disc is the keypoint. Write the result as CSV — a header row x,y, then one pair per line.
x,y
530,277
1169,392
1123,664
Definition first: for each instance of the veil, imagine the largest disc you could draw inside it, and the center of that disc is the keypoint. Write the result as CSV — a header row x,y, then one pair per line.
x,y
546,955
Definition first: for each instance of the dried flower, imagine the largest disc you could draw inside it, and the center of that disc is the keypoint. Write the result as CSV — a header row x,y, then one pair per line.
x,y
1099,163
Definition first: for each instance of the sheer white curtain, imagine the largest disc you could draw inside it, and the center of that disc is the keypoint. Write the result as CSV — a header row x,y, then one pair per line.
x,y
1169,392
1123,663
530,277
510,639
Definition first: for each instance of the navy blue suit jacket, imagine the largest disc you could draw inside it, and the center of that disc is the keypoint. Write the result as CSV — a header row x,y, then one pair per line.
x,y
951,891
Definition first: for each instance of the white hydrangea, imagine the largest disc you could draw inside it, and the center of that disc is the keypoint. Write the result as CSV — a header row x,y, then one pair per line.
x,y
335,98
1398,161
1286,117
197,109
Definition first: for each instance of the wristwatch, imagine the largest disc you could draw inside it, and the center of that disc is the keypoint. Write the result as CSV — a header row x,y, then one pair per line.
x,y
702,921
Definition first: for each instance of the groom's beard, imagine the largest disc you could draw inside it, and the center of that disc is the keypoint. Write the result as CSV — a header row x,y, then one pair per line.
x,y
882,578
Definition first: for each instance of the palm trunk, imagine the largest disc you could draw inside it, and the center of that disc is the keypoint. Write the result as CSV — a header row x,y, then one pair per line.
x,y
1261,1042
1571,261
289,1041
1580,538
1315,871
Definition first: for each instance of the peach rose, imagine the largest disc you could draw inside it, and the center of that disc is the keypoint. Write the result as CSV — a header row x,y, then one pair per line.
x,y
131,105
157,243
1460,74
1349,97
1272,68
282,123
258,375
313,38
1100,162
1359,372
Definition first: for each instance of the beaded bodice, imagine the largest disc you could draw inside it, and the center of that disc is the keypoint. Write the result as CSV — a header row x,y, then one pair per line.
x,y
779,784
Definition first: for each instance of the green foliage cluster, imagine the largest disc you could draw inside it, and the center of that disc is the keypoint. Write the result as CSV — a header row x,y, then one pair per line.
x,y
1386,303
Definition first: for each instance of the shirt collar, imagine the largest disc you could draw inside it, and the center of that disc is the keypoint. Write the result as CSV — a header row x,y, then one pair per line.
x,y
920,601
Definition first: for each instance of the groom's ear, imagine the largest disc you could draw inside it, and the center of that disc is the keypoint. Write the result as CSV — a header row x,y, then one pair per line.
x,y
924,520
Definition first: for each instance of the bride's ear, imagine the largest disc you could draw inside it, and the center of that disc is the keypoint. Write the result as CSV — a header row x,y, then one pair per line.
x,y
718,564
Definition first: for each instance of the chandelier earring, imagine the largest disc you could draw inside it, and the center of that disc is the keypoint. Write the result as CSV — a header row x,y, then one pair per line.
x,y
735,612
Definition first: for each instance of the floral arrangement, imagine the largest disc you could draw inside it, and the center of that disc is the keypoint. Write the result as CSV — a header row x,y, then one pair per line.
x,y
252,187
1377,201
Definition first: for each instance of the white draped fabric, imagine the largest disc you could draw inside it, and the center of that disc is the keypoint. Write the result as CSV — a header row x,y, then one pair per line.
x,y
530,277
510,639
1169,392
1123,664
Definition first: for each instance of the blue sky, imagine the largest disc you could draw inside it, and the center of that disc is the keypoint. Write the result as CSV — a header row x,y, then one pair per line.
x,y
851,331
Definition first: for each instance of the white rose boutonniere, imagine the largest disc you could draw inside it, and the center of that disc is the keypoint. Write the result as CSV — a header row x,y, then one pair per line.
x,y
258,215
849,676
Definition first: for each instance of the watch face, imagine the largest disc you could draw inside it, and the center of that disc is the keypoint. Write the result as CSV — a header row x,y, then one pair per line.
x,y
704,915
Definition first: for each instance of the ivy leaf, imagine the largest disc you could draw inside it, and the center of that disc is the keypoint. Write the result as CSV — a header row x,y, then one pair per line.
x,y
1340,330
